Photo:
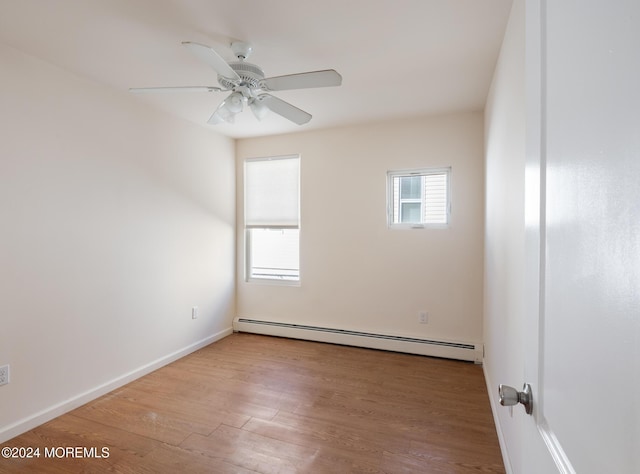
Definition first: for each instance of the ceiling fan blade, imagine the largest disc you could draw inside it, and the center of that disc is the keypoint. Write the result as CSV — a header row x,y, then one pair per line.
x,y
285,109
213,59
304,80
144,90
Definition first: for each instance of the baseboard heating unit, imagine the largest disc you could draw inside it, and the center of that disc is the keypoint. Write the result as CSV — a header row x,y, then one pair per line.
x,y
411,345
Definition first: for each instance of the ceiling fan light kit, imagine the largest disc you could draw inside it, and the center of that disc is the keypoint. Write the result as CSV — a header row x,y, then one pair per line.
x,y
248,85
259,109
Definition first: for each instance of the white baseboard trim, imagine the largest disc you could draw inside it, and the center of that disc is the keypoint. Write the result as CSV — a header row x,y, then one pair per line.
x,y
30,422
492,389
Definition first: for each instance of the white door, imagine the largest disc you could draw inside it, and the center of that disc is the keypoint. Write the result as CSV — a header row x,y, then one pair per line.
x,y
583,246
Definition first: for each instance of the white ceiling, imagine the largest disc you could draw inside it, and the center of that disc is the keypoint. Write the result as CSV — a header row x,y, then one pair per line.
x,y
398,58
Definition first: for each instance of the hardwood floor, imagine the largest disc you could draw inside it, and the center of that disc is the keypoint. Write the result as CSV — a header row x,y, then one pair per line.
x,y
251,403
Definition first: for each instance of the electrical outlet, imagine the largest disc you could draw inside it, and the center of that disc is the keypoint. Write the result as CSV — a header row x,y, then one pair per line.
x,y
4,374
423,317
194,312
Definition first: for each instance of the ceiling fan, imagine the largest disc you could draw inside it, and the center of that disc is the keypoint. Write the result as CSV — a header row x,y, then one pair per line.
x,y
247,85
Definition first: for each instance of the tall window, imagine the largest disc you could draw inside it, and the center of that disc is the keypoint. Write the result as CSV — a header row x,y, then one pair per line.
x,y
418,197
272,218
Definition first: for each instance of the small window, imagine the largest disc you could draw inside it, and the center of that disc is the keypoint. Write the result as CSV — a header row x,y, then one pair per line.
x,y
418,198
272,218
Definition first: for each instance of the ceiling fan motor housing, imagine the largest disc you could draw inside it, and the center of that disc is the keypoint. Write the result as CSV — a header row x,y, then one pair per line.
x,y
250,74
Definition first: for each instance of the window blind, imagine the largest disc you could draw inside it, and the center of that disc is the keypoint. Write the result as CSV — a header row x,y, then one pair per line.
x,y
272,188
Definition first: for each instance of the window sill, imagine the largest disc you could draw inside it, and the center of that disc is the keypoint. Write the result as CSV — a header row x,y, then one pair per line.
x,y
273,282
417,226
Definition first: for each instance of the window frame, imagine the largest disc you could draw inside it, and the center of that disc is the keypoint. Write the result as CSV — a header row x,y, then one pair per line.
x,y
249,227
392,174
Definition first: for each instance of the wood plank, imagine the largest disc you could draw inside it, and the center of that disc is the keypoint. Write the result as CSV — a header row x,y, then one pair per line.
x,y
251,403
251,451
126,450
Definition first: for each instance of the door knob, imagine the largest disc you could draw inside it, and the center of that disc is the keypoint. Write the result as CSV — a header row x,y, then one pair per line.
x,y
509,396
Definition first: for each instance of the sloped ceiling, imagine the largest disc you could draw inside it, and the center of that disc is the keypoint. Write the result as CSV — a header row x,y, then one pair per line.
x,y
398,58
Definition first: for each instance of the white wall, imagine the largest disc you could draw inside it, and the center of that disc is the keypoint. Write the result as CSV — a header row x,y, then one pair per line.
x,y
355,272
116,220
504,230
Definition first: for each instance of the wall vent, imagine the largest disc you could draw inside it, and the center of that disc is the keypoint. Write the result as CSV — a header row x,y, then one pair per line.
x,y
412,345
